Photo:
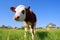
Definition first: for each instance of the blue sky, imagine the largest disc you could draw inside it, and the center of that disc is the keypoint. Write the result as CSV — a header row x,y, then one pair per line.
x,y
47,11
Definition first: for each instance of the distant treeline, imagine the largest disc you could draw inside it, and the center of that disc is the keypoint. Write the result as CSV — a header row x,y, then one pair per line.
x,y
50,25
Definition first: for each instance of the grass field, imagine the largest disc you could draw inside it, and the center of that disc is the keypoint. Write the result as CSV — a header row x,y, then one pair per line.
x,y
40,34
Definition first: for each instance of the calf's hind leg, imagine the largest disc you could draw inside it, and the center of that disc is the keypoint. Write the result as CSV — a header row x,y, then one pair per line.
x,y
32,31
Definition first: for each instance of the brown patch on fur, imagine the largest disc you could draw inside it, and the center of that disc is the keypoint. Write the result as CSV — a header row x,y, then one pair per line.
x,y
30,17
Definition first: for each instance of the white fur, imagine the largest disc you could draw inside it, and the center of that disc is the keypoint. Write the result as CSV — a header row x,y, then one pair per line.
x,y
19,12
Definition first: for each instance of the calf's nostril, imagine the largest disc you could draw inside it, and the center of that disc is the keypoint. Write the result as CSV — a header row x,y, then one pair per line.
x,y
16,18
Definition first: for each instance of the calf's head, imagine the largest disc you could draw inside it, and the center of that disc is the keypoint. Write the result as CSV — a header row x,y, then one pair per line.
x,y
20,12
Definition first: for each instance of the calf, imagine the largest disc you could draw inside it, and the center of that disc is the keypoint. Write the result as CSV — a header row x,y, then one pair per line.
x,y
23,13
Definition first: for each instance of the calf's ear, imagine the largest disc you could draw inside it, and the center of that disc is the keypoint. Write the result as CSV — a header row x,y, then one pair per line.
x,y
28,8
12,9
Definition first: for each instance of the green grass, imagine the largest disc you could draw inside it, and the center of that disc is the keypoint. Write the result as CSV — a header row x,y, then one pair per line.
x,y
13,34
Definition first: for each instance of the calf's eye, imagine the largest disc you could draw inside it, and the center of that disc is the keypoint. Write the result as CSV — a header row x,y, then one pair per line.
x,y
23,11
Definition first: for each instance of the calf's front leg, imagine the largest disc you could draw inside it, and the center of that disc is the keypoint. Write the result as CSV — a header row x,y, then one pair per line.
x,y
25,27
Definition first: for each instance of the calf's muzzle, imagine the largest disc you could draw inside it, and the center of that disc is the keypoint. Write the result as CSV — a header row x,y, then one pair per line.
x,y
16,17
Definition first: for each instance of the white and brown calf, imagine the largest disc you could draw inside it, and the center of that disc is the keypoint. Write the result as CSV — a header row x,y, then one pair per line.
x,y
23,13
